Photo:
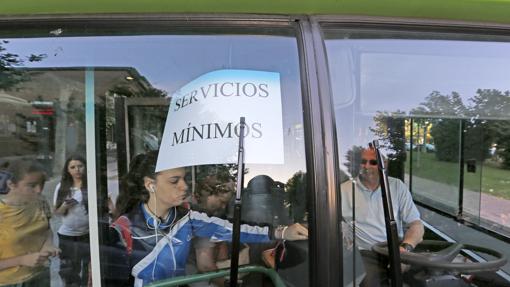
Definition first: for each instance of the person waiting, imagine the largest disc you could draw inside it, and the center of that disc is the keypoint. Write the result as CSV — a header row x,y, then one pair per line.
x,y
70,201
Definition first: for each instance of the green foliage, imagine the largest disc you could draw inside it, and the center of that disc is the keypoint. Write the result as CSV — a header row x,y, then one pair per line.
x,y
492,103
495,104
446,139
222,172
390,133
296,196
502,135
479,133
10,74
477,139
439,105
353,159
444,131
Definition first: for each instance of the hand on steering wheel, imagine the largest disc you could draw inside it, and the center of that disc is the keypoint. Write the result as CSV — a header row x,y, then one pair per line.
x,y
435,254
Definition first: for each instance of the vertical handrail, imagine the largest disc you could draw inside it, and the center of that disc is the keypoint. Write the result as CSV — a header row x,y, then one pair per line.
x,y
236,233
389,218
460,210
353,188
411,142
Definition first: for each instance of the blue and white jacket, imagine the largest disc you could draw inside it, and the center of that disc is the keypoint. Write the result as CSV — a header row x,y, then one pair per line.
x,y
161,253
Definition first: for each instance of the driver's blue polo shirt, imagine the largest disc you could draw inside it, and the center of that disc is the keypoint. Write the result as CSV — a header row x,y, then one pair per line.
x,y
370,224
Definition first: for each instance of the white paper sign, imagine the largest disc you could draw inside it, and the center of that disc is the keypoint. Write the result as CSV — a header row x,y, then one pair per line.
x,y
202,126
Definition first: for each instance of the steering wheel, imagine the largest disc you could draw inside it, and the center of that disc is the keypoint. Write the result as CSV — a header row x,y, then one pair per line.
x,y
435,254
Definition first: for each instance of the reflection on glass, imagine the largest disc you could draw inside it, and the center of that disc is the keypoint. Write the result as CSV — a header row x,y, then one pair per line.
x,y
131,98
440,106
71,204
213,188
486,171
26,240
42,119
363,215
435,161
154,226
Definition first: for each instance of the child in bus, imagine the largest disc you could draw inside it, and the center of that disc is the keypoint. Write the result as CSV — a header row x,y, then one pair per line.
x,y
154,230
70,201
213,191
26,240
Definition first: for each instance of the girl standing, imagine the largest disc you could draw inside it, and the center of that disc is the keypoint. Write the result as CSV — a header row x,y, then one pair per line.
x,y
154,230
70,200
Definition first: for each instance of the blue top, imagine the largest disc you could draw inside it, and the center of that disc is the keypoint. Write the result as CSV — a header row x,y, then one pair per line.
x,y
370,224
161,253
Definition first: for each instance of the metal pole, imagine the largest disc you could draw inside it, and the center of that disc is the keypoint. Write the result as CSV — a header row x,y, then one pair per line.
x,y
236,233
461,170
389,218
353,231
411,142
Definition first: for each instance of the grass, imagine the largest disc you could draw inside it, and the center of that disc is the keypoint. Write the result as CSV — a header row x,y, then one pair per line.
x,y
493,180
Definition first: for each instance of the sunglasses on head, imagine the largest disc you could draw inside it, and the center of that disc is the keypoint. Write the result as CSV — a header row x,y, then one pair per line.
x,y
371,161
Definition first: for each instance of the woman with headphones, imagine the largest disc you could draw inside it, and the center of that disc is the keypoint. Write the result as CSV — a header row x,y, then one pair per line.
x,y
154,228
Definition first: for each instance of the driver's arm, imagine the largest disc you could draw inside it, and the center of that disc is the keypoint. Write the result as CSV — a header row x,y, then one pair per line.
x,y
414,234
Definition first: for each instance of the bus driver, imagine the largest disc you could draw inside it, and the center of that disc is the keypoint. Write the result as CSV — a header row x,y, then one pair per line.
x,y
369,222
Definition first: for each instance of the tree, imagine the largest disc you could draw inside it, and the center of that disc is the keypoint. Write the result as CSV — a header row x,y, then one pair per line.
x,y
502,129
296,196
445,130
446,139
390,131
491,103
441,106
353,160
10,64
448,112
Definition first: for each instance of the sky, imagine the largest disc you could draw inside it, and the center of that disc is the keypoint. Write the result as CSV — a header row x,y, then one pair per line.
x,y
391,75
367,76
169,62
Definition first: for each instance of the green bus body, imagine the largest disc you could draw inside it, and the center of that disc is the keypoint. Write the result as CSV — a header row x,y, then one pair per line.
x,y
496,11
319,23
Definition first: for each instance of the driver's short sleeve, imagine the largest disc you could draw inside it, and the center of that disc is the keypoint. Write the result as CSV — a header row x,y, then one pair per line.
x,y
408,210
